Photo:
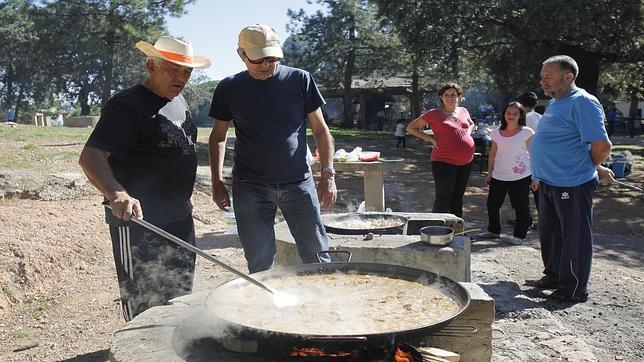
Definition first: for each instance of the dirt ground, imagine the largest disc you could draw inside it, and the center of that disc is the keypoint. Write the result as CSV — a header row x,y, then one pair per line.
x,y
59,297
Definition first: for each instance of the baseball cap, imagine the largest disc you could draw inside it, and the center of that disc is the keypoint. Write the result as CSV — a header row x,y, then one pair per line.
x,y
260,41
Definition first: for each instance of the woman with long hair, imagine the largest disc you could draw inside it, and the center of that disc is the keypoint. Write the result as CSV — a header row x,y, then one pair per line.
x,y
453,148
509,172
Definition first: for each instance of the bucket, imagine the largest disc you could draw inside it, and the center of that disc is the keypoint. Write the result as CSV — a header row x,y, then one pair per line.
x,y
618,168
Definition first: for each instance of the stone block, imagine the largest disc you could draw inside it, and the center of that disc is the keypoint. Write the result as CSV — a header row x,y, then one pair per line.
x,y
82,121
459,336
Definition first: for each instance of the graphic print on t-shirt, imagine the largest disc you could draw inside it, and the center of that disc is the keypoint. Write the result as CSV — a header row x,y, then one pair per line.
x,y
521,167
178,135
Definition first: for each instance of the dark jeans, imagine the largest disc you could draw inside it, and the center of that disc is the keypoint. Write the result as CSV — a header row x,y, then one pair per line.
x,y
150,269
450,183
519,191
402,140
565,221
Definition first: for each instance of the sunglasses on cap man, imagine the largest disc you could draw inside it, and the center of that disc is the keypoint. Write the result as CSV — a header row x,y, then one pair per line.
x,y
269,60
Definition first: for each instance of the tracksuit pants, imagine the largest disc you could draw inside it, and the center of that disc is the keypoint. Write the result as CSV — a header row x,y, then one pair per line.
x,y
565,221
150,269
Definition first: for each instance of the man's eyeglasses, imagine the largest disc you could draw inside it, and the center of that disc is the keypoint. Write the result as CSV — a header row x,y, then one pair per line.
x,y
269,60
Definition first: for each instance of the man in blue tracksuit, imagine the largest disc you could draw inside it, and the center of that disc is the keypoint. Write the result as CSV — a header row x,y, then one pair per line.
x,y
566,156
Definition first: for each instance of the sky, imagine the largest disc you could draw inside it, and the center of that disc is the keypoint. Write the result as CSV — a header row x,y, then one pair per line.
x,y
212,28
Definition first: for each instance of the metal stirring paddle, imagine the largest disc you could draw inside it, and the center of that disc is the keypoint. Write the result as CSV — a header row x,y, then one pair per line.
x,y
200,252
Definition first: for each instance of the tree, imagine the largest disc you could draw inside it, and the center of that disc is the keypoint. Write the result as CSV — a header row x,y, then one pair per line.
x,y
336,46
198,94
19,68
511,38
431,34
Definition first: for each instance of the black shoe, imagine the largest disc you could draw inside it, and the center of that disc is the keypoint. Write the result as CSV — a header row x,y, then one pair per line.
x,y
560,296
543,283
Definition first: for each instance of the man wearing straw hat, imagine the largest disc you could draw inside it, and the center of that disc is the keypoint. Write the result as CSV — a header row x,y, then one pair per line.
x,y
271,105
142,157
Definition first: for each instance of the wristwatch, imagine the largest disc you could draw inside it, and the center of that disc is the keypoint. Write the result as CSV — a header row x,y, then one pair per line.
x,y
330,170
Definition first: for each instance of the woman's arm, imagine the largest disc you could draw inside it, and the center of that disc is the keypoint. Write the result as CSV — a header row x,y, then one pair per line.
x,y
490,163
415,128
528,142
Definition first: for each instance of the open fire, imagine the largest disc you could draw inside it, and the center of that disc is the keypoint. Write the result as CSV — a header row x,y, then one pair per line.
x,y
320,352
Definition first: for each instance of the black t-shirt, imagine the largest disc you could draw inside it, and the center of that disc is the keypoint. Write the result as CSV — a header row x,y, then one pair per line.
x,y
152,148
270,122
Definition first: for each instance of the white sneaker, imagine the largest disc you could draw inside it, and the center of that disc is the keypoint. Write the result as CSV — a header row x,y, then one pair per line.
x,y
514,240
489,235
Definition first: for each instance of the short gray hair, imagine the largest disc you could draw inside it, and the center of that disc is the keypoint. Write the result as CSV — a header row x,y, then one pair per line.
x,y
565,62
156,60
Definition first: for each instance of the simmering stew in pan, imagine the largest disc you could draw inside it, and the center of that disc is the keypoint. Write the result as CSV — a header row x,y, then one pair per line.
x,y
337,304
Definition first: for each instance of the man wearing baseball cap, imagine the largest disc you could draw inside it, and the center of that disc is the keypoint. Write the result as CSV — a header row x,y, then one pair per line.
x,y
142,157
271,105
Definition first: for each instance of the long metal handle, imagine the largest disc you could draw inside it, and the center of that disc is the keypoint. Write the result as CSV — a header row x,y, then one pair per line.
x,y
200,252
628,185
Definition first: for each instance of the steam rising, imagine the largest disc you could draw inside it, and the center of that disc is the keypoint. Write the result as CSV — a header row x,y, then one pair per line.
x,y
283,300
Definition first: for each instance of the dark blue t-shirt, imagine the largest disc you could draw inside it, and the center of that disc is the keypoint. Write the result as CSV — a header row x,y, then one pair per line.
x,y
270,122
151,141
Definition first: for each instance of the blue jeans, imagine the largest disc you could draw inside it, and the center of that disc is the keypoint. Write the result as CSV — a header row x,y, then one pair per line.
x,y
255,207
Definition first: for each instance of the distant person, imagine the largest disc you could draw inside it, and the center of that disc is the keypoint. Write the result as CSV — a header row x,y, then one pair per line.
x,y
453,148
11,114
271,105
529,101
509,173
566,156
483,110
400,134
142,157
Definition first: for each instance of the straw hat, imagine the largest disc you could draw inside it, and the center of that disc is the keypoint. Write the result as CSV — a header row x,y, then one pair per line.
x,y
175,51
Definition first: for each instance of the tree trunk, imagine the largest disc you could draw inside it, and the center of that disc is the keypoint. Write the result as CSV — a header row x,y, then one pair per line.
x,y
83,100
347,95
9,85
416,107
634,102
18,102
108,68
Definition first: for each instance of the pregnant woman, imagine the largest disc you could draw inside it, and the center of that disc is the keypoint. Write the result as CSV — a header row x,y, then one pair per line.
x,y
453,148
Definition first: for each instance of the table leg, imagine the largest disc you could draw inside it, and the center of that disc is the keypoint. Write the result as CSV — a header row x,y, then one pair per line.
x,y
374,190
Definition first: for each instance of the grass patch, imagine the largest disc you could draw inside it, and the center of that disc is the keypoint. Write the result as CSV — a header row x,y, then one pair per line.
x,y
29,147
37,307
636,150
358,133
28,133
18,334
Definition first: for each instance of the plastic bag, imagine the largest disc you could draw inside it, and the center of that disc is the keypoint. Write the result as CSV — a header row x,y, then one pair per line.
x,y
354,156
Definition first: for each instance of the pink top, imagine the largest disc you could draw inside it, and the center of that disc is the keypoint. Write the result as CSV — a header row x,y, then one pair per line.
x,y
455,144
